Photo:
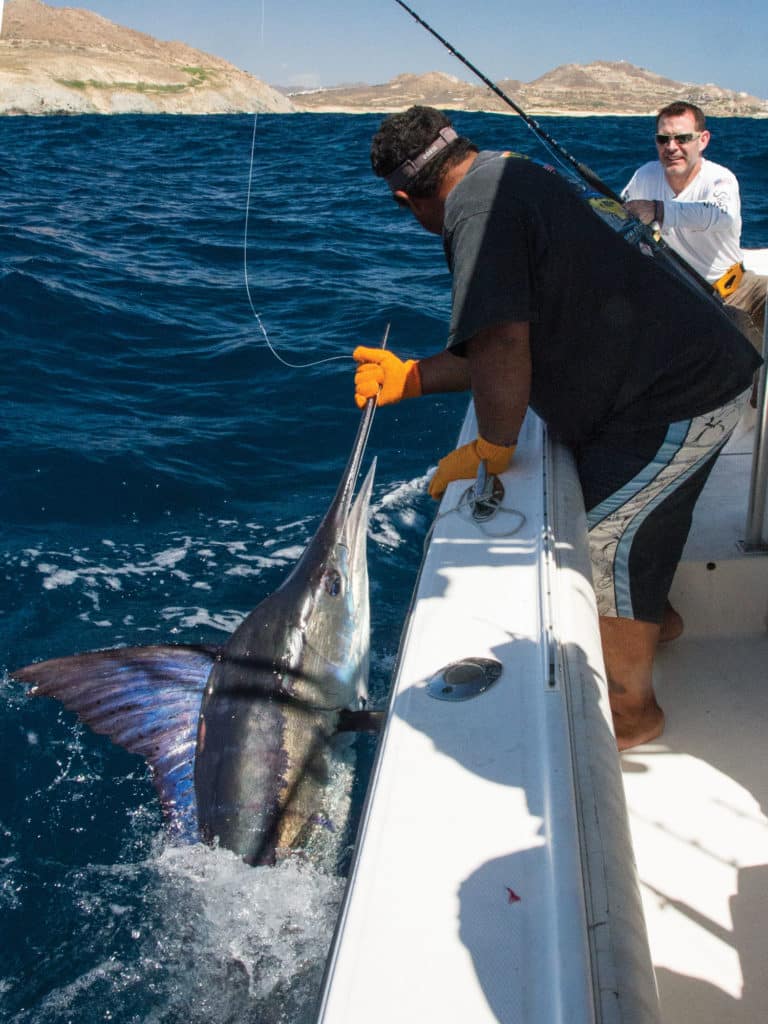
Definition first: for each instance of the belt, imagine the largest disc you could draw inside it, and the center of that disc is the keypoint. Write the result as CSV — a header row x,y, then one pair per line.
x,y
730,280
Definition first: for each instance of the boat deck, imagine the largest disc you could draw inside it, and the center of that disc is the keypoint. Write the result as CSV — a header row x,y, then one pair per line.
x,y
698,796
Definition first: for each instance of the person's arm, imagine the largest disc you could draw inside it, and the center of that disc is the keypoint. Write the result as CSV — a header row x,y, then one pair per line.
x,y
444,372
641,195
719,212
649,211
702,216
499,360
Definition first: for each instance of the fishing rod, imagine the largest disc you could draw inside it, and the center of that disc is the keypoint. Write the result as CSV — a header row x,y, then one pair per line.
x,y
552,144
692,277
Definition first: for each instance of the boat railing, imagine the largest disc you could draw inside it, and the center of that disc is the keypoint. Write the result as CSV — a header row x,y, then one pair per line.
x,y
755,538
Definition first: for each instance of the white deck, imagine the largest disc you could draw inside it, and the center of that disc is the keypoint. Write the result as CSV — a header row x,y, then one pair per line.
x,y
697,798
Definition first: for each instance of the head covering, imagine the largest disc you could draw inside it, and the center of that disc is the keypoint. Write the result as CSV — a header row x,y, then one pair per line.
x,y
408,169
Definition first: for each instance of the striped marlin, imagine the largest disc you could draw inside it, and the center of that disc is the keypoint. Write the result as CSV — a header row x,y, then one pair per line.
x,y
238,737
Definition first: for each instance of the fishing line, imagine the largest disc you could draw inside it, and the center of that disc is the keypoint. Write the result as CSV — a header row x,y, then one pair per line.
x,y
256,314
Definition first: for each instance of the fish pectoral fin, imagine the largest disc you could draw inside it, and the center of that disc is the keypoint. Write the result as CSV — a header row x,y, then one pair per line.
x,y
360,721
147,700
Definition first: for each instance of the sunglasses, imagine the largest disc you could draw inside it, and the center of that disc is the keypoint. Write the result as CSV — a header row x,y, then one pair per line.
x,y
402,203
681,140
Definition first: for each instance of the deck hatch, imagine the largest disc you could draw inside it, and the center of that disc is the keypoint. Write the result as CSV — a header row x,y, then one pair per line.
x,y
465,679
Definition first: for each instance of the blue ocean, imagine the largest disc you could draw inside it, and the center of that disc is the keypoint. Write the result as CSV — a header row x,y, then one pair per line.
x,y
162,470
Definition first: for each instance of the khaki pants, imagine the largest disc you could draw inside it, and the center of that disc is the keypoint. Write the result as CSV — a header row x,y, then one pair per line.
x,y
750,297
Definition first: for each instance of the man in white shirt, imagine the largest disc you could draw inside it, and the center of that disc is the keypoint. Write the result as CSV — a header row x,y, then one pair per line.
x,y
696,204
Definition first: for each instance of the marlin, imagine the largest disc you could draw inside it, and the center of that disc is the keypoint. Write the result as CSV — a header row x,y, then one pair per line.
x,y
238,737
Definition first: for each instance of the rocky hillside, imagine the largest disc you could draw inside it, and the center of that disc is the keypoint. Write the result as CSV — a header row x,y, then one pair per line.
x,y
64,60
602,87
56,60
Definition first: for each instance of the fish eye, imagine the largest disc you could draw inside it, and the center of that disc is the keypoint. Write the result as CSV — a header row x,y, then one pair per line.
x,y
333,583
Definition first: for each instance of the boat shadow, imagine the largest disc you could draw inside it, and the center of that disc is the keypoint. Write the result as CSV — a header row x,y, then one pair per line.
x,y
696,999
715,734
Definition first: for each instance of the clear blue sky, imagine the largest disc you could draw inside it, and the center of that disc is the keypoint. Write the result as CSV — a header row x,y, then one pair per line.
x,y
329,42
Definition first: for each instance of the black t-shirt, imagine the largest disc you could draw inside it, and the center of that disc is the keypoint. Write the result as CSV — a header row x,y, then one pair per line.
x,y
617,341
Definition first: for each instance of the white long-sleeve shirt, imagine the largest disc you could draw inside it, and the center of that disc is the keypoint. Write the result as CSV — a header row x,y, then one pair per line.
x,y
703,222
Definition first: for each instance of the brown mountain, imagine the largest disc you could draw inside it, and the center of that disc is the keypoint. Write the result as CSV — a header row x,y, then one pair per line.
x,y
65,60
602,87
432,89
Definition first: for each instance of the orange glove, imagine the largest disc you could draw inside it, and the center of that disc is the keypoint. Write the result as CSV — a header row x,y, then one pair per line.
x,y
381,369
463,463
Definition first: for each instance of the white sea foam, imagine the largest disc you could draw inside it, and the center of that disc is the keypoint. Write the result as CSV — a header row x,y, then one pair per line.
x,y
200,562
190,934
263,561
395,513
290,554
172,556
57,1005
111,576
244,570
296,524
56,577
190,618
241,943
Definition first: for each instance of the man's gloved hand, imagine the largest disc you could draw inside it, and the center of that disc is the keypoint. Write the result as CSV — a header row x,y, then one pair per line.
x,y
463,463
381,369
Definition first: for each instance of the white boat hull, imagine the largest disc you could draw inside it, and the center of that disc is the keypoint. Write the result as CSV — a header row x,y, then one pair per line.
x,y
494,879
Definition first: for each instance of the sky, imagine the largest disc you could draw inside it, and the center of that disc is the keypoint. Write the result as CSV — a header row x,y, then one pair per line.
x,y
317,43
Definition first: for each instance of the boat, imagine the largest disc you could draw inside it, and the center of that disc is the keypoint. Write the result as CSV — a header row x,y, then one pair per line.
x,y
510,865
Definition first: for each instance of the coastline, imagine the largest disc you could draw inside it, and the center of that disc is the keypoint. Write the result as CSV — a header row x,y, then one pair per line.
x,y
353,111
532,111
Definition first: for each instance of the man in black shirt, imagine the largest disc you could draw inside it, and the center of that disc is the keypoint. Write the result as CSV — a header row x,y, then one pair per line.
x,y
552,309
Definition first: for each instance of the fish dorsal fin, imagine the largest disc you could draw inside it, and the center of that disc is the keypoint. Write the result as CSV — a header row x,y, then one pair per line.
x,y
147,700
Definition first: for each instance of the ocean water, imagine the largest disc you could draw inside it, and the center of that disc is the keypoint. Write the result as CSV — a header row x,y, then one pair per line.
x,y
161,471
